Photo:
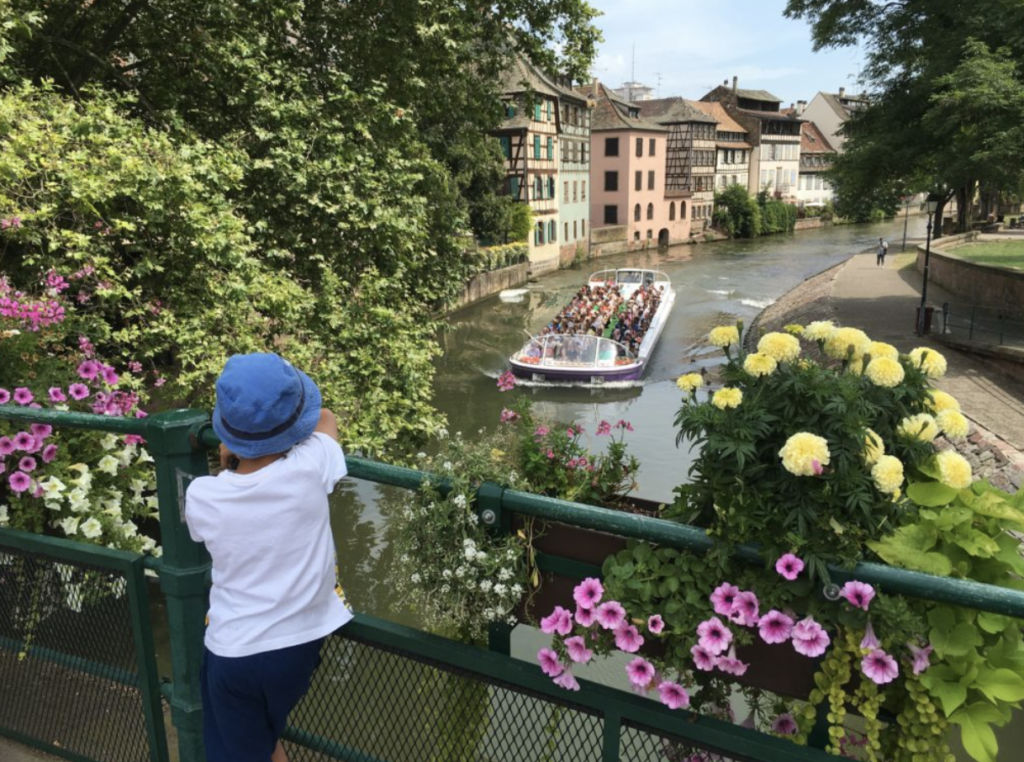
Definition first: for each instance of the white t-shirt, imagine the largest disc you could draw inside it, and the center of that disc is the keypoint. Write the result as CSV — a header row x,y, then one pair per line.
x,y
269,535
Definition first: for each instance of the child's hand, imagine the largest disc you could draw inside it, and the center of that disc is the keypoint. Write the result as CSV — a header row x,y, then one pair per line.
x,y
228,460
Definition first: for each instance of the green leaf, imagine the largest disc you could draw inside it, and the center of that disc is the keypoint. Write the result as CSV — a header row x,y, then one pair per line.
x,y
908,547
976,732
992,505
956,642
1001,685
951,694
975,542
931,494
992,623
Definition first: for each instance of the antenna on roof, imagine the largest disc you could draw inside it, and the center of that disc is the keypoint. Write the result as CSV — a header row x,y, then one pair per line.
x,y
632,73
658,75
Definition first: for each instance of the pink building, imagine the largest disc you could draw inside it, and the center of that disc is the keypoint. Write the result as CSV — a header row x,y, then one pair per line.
x,y
628,174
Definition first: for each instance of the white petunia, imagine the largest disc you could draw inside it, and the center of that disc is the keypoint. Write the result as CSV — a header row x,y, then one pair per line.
x,y
69,525
109,442
4,516
144,457
52,488
126,455
129,529
108,464
73,597
92,528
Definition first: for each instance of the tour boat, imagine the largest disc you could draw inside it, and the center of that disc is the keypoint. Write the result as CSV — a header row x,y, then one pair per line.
x,y
590,359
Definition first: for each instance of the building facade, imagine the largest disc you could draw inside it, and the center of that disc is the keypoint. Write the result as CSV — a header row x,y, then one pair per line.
x,y
573,174
830,111
815,160
732,162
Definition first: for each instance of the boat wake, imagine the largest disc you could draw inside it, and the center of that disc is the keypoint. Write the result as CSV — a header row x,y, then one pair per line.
x,y
721,292
758,304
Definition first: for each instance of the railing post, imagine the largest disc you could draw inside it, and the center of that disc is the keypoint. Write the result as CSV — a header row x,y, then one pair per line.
x,y
611,737
173,441
489,506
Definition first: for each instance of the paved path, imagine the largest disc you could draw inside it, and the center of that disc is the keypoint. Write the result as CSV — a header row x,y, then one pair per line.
x,y
15,752
883,302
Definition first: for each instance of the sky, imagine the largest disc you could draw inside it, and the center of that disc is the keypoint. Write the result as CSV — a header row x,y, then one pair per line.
x,y
694,45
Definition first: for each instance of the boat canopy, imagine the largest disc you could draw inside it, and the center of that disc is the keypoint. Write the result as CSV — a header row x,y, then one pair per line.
x,y
630,276
574,351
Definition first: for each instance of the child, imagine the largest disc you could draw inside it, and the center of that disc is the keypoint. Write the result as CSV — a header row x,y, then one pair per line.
x,y
265,523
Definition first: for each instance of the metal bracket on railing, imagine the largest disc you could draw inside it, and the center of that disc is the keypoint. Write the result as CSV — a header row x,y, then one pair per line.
x,y
195,435
488,501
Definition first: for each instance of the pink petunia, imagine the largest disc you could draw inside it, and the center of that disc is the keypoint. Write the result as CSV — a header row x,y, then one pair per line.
x,y
816,467
731,665
506,381
27,464
19,481
7,446
640,672
78,391
870,640
57,394
549,662
655,624
41,430
628,638
135,366
23,396
624,425
921,657
110,377
724,598
5,396
610,614
568,681
604,428
559,620
714,636
133,439
673,695
24,441
89,370
775,627
784,725
509,416
585,617
858,594
810,638
703,659
578,651
49,453
746,609
541,431
789,566
879,667
587,593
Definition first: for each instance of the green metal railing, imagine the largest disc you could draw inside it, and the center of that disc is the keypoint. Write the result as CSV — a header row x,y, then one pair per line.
x,y
179,440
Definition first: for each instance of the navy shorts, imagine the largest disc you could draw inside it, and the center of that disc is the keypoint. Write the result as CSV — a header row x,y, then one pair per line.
x,y
247,699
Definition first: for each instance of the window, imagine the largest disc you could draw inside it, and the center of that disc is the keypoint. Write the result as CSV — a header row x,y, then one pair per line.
x,y
792,177
639,146
565,117
510,110
566,232
583,228
764,177
650,235
538,234
693,213
723,181
551,232
638,180
575,188
650,147
682,210
575,114
611,181
513,187
650,180
636,236
551,187
636,213
574,233
536,146
583,190
672,211
650,212
611,215
550,112
565,194
611,146
551,148
506,146
536,116
538,187
734,180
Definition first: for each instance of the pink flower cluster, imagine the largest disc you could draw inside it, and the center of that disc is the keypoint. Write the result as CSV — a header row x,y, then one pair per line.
x,y
22,446
31,314
506,381
12,223
609,616
507,416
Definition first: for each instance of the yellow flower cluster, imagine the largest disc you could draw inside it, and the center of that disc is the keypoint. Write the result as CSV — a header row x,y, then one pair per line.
x,y
724,335
839,343
726,398
954,470
931,362
921,426
819,330
757,364
802,451
887,474
883,371
794,328
952,423
781,347
690,382
874,448
881,349
940,401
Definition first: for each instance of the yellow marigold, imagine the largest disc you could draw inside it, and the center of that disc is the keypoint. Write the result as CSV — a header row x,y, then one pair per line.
x,y
887,474
805,454
839,343
952,423
856,366
883,371
881,349
724,335
690,382
954,470
794,328
819,330
874,448
779,346
757,364
931,362
921,426
940,401
726,398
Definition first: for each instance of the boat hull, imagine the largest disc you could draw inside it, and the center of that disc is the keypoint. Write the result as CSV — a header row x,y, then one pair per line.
x,y
591,375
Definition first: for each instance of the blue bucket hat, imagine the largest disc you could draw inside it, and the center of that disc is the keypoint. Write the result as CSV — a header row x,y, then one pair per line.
x,y
264,405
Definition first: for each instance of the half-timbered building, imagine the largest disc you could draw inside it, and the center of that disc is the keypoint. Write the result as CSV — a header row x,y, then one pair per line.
x,y
732,164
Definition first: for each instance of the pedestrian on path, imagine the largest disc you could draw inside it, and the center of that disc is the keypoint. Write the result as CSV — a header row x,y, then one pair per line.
x,y
883,249
264,519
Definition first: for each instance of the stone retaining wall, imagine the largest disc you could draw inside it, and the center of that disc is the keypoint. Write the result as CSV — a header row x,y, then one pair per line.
x,y
487,284
990,458
977,284
809,223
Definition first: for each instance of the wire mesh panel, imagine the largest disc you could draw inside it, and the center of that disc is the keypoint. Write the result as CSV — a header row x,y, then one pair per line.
x,y
639,744
68,664
371,703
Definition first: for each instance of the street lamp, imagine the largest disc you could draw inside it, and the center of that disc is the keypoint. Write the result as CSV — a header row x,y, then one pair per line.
x,y
931,204
906,218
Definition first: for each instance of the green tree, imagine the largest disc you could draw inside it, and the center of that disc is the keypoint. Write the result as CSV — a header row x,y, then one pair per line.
x,y
737,214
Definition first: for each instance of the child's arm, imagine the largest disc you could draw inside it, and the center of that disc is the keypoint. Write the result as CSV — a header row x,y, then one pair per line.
x,y
327,424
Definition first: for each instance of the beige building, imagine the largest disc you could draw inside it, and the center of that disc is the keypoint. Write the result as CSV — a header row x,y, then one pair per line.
x,y
732,163
829,111
816,155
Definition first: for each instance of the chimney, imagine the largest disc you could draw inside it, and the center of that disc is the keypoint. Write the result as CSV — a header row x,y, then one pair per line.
x,y
595,91
842,91
735,83
800,106
725,83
